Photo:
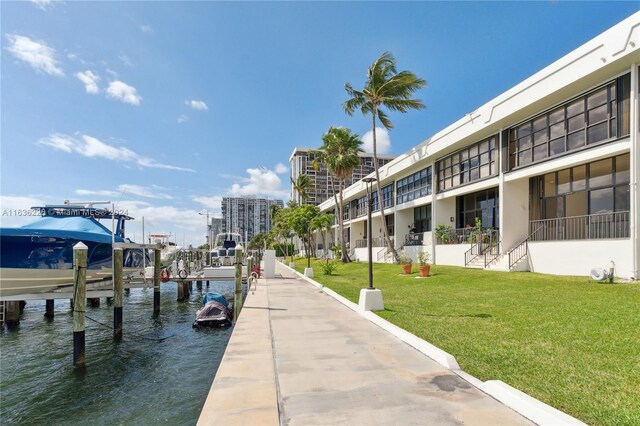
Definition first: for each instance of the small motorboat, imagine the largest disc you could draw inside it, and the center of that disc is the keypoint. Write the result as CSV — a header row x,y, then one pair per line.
x,y
213,314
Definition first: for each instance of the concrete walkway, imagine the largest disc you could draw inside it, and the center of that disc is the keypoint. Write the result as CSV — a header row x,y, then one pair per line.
x,y
299,357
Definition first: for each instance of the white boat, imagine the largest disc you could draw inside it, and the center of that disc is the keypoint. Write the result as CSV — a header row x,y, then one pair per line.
x,y
223,258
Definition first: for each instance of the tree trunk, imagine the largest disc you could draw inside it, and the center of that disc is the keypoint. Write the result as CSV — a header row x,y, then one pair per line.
x,y
390,245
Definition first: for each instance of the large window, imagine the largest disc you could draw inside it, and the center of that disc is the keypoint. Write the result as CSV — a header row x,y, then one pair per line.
x,y
594,188
598,116
421,219
482,205
414,186
476,162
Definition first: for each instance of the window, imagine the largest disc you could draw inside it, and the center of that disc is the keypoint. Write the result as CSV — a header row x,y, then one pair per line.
x,y
414,186
590,119
421,219
482,205
475,162
595,188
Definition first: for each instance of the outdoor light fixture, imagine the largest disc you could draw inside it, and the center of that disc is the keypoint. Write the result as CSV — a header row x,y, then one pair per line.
x,y
369,181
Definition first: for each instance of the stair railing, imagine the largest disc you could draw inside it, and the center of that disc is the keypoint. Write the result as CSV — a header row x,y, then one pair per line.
x,y
521,250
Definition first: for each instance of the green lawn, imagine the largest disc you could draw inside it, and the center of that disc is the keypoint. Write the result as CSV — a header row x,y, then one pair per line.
x,y
569,342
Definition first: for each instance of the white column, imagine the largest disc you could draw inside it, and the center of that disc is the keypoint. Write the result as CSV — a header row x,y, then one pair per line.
x,y
634,135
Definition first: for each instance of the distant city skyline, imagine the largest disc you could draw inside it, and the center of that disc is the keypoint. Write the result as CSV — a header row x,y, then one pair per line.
x,y
164,108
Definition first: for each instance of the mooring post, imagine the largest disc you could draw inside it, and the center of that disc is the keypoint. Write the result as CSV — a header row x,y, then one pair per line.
x,y
12,312
237,299
49,308
156,282
117,293
180,291
79,302
186,288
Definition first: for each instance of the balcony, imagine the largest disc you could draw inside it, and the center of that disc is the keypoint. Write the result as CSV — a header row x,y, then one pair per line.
x,y
590,227
414,239
376,242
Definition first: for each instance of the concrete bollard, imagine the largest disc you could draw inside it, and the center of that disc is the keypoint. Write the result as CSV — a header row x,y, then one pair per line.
x,y
79,302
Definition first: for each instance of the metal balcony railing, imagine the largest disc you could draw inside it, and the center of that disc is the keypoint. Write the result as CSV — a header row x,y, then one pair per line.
x,y
468,235
413,239
376,242
589,227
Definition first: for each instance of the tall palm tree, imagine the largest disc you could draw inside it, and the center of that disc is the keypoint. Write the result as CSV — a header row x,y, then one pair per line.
x,y
384,87
301,186
339,154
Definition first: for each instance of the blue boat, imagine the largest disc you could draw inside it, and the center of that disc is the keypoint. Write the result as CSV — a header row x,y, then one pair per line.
x,y
38,257
215,296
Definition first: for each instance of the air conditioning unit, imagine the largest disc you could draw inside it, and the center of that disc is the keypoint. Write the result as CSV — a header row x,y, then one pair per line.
x,y
599,274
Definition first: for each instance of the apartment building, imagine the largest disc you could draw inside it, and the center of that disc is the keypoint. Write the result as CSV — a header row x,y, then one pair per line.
x,y
323,185
247,215
549,169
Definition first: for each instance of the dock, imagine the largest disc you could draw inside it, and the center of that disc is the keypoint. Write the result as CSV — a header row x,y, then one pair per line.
x,y
299,356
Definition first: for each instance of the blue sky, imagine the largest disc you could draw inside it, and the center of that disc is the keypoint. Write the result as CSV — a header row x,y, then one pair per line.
x,y
165,107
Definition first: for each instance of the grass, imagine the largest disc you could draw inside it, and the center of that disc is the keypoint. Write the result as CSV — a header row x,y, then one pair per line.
x,y
569,342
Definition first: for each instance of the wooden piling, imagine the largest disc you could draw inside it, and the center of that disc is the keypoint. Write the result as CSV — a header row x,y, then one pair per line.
x,y
156,282
186,288
79,302
117,293
94,302
180,291
237,299
12,312
49,308
199,285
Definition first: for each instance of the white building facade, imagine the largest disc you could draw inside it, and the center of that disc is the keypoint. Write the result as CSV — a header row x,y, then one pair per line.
x,y
549,168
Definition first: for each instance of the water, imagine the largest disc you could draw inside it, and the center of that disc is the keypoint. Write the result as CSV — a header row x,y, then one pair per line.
x,y
160,372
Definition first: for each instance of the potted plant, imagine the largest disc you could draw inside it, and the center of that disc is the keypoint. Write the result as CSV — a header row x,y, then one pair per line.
x,y
425,267
406,264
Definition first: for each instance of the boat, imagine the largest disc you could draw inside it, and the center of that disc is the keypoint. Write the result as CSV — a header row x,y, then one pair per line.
x,y
223,258
213,314
215,297
38,257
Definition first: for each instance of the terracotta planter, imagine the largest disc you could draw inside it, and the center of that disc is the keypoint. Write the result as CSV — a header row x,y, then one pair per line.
x,y
406,268
424,270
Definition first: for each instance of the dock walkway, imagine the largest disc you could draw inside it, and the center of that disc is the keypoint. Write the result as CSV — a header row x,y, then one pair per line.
x,y
297,356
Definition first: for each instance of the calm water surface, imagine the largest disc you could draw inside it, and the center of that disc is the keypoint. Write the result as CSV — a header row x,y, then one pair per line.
x,y
160,372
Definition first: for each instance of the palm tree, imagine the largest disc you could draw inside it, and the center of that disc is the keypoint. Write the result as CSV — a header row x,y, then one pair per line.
x,y
301,185
322,223
339,154
385,87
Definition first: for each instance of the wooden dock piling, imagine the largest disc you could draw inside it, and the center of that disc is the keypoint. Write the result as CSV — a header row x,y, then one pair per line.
x,y
80,300
117,293
12,312
180,288
237,299
49,308
186,288
156,282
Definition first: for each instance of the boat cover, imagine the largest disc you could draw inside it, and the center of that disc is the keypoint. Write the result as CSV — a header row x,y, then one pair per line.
x,y
79,228
216,297
213,313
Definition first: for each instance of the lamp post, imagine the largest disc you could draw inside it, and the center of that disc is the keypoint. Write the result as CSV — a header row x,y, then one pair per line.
x,y
208,227
369,181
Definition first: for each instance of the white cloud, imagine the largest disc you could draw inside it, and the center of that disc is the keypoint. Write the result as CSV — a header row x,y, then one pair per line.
x,y
383,142
43,4
90,81
102,193
111,73
91,147
123,92
143,191
199,105
16,211
261,181
214,202
146,28
183,118
35,53
281,168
